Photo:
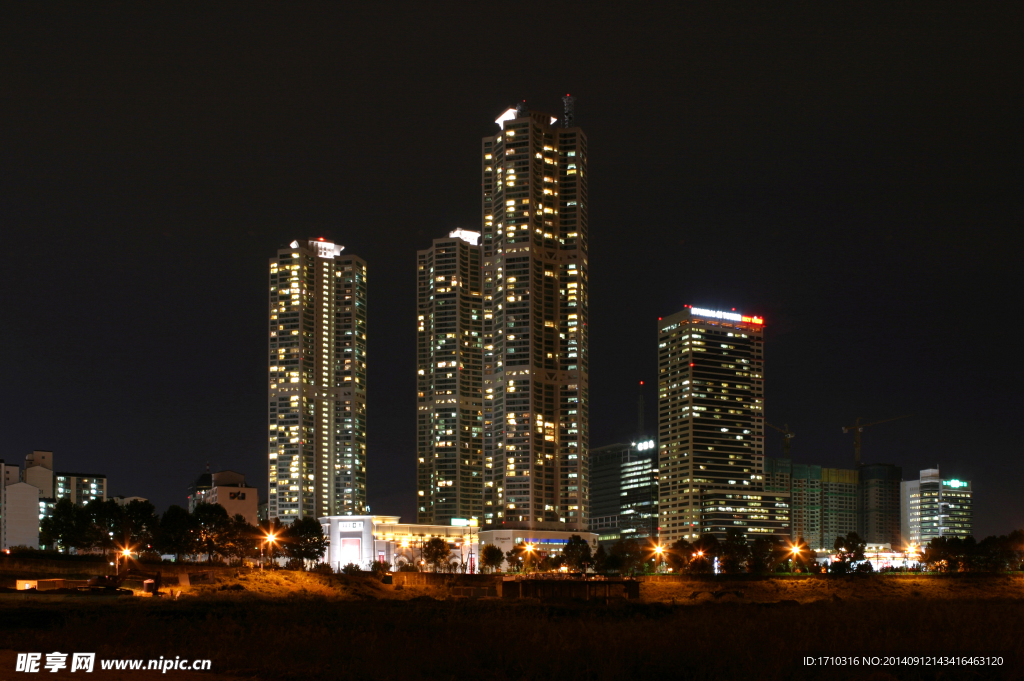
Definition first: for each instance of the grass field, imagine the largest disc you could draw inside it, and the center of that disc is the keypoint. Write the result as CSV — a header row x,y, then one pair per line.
x,y
297,626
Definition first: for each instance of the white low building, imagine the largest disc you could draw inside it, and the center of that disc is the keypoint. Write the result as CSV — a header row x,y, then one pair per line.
x,y
364,539
544,542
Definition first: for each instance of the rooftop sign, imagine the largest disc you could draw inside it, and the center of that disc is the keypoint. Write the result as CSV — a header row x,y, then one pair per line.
x,y
731,316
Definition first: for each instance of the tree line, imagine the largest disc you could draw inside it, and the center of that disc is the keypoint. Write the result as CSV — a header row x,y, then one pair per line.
x,y
208,532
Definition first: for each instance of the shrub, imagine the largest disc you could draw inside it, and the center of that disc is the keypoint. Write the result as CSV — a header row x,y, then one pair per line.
x,y
294,564
352,569
380,568
407,567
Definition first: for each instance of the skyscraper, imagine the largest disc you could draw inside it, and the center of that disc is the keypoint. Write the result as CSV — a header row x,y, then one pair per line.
x,y
878,504
317,382
711,427
449,396
535,298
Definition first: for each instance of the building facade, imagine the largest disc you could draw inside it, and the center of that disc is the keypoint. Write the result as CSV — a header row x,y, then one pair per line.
x,y
710,420
449,381
802,482
878,505
19,516
317,382
80,488
535,335
364,539
840,503
933,507
624,490
228,489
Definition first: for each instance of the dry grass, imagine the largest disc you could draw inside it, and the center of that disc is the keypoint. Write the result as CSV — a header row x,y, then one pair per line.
x,y
289,625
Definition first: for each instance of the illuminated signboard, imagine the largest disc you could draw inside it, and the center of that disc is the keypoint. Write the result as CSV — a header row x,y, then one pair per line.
x,y
645,445
955,483
731,316
350,526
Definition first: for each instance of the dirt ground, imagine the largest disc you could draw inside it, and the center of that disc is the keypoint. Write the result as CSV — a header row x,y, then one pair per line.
x,y
853,588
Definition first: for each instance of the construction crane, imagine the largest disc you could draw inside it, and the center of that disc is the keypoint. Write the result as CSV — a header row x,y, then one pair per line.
x,y
787,437
859,427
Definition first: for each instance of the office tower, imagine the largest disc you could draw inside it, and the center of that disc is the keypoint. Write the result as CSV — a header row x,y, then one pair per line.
x,y
711,427
317,382
933,507
878,506
624,490
535,269
449,393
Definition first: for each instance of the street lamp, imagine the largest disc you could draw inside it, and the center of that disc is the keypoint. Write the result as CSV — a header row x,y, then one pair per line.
x,y
270,542
794,554
658,550
529,552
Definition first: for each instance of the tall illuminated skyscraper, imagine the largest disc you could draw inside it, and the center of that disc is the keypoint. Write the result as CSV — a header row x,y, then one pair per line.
x,y
449,402
711,428
535,298
317,382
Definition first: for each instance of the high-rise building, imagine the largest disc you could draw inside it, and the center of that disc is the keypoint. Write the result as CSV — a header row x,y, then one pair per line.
x,y
535,291
624,490
839,504
803,484
878,506
824,500
933,507
317,382
449,381
711,426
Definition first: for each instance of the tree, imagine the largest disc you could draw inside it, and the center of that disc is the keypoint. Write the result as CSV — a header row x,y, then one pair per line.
x,y
436,552
177,533
240,539
849,549
706,549
212,523
139,525
514,556
577,553
600,559
66,527
305,539
764,555
105,519
679,555
491,558
630,555
735,552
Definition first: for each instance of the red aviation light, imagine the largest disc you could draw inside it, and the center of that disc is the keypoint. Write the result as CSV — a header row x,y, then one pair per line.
x,y
691,363
641,382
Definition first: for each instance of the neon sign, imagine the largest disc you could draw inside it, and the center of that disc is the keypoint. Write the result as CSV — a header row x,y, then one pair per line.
x,y
955,483
731,316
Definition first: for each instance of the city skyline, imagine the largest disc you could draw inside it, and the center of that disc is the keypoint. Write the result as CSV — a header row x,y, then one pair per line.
x,y
859,220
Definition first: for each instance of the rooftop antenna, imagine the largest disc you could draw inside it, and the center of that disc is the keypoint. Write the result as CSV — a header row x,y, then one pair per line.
x,y
640,411
569,109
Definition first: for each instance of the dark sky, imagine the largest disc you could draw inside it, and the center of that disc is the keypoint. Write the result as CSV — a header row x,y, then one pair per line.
x,y
854,178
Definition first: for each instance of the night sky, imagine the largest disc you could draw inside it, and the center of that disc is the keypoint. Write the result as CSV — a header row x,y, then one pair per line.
x,y
854,178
